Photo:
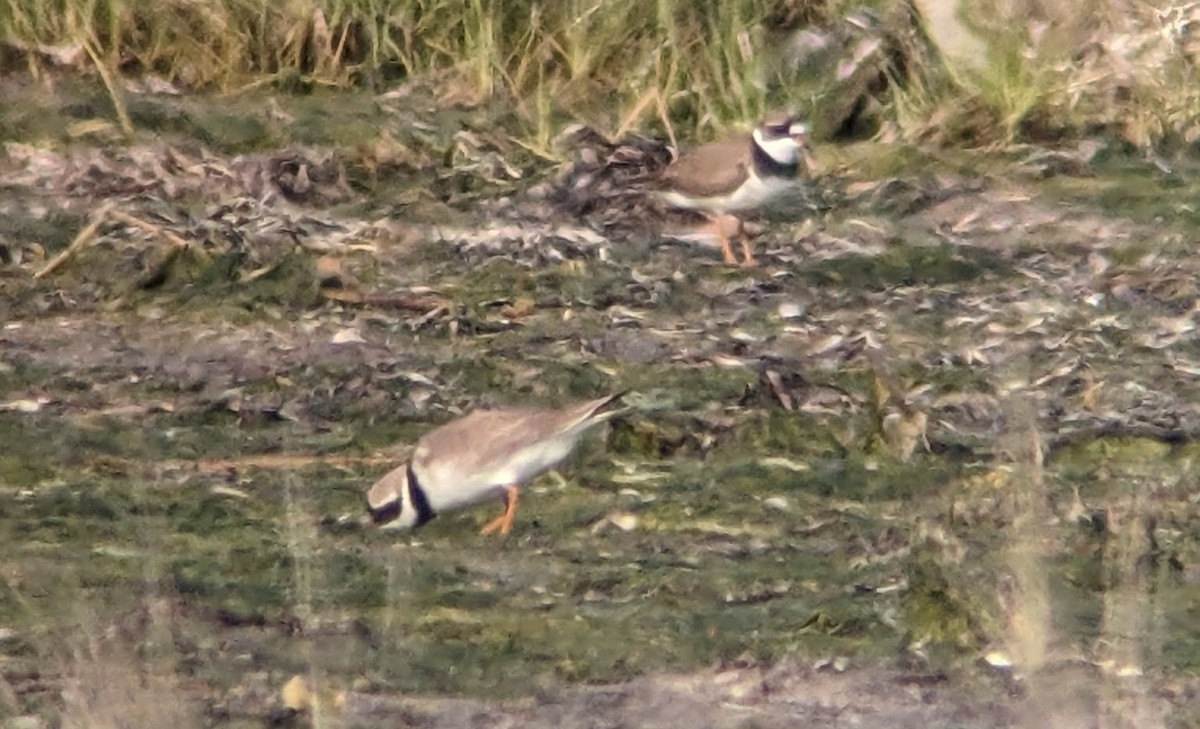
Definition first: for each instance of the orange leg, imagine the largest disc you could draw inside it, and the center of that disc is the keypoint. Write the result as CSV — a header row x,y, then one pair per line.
x,y
727,249
748,254
731,225
504,522
720,224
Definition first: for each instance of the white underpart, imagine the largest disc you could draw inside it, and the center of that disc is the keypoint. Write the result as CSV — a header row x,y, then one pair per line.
x,y
756,191
448,488
785,150
534,459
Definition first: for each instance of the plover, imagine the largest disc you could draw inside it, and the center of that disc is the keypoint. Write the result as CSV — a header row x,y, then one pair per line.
x,y
484,455
736,175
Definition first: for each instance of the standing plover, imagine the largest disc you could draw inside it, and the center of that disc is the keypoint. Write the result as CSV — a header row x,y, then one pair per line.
x,y
737,174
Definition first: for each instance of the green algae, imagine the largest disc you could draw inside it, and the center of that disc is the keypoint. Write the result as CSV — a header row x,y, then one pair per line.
x,y
1136,190
53,232
709,574
910,265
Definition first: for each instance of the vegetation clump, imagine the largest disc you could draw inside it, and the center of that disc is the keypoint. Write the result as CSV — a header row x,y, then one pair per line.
x,y
1037,70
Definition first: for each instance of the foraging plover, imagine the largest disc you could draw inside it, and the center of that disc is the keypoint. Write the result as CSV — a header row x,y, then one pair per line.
x,y
484,455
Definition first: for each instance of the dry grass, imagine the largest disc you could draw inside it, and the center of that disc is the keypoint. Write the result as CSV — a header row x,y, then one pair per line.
x,y
301,537
1027,602
106,686
1052,69
1062,692
109,675
1055,71
705,59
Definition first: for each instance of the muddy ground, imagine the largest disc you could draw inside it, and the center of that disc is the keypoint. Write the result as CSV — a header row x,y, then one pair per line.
x,y
946,427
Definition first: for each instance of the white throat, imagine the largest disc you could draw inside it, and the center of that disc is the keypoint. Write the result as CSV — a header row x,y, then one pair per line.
x,y
785,150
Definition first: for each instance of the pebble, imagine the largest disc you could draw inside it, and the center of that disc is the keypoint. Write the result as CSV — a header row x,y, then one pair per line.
x,y
791,310
778,503
624,521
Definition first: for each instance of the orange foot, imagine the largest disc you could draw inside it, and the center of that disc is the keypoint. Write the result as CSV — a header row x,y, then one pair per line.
x,y
748,258
721,225
504,522
728,251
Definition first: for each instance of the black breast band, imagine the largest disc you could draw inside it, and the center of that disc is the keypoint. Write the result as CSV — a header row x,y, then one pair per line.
x,y
420,500
766,165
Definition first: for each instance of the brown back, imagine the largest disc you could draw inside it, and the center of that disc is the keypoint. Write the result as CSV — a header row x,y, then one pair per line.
x,y
485,438
713,169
